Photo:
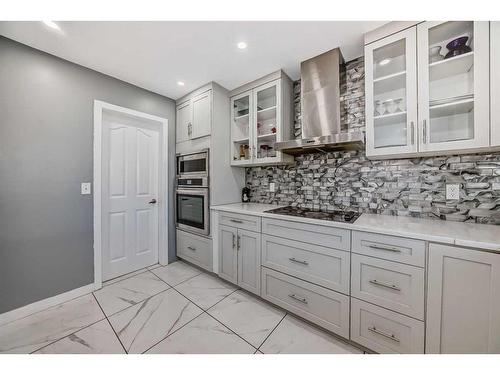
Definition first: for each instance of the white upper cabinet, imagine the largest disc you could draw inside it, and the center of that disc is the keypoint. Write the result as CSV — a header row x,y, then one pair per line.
x,y
453,85
495,82
201,115
183,121
194,117
391,94
260,117
447,64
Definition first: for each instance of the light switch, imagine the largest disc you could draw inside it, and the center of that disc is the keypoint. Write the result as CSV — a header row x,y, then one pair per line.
x,y
85,188
272,187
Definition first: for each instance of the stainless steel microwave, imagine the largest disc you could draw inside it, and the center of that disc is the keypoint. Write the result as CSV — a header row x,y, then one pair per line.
x,y
193,165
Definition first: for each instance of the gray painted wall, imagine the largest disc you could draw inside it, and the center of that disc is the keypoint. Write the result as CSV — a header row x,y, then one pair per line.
x,y
46,151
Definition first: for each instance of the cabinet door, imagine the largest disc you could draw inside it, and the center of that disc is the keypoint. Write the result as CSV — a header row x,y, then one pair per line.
x,y
453,85
495,82
266,122
228,257
391,95
249,260
463,302
201,115
183,121
241,132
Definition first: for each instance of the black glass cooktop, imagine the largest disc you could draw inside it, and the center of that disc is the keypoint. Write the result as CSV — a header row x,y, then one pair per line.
x,y
340,216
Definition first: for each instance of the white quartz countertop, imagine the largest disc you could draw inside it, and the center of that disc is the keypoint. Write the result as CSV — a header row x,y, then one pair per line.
x,y
480,236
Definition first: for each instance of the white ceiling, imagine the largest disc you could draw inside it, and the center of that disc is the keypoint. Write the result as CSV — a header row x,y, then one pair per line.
x,y
155,55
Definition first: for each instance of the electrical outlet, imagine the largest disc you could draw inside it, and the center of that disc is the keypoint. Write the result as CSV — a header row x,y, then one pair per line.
x,y
85,188
453,191
272,187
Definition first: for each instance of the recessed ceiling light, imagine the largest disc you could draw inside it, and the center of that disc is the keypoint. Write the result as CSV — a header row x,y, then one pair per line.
x,y
180,83
385,61
52,25
242,45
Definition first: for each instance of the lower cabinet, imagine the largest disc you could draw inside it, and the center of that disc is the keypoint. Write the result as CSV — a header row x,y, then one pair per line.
x,y
385,331
239,257
322,306
463,301
195,249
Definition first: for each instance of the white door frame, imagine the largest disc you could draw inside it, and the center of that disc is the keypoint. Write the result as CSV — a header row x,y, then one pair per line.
x,y
99,107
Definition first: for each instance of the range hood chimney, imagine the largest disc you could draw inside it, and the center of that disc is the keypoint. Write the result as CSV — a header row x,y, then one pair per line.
x,y
321,80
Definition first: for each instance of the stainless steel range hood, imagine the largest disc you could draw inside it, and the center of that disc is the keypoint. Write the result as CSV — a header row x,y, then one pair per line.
x,y
321,81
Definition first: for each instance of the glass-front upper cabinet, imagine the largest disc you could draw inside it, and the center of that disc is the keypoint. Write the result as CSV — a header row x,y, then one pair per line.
x,y
453,85
261,115
391,95
267,120
241,128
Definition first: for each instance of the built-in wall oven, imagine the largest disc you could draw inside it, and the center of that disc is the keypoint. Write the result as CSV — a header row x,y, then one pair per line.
x,y
192,193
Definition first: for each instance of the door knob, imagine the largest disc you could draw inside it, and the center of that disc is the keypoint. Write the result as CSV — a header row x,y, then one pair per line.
x,y
152,201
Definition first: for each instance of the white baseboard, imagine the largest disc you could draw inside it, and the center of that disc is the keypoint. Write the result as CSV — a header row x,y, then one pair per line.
x,y
38,306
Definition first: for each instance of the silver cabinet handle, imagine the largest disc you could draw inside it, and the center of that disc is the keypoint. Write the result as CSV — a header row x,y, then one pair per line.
x,y
234,241
236,221
412,125
191,248
381,333
297,298
239,243
387,248
389,286
299,261
424,131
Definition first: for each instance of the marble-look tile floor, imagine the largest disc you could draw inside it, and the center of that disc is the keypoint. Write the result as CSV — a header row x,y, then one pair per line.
x,y
173,309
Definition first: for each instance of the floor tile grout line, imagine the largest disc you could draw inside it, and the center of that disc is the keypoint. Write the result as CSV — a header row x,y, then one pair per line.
x,y
78,330
122,277
171,333
270,333
113,328
128,307
69,334
253,346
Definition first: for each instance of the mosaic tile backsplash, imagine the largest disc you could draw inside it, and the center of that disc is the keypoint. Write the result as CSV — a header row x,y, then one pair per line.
x,y
408,187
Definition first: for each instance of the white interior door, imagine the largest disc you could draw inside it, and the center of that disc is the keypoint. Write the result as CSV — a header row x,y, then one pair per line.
x,y
130,186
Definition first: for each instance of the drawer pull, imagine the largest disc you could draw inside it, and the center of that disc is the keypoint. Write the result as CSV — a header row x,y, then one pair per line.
x,y
191,248
386,248
381,333
236,221
300,299
299,261
389,286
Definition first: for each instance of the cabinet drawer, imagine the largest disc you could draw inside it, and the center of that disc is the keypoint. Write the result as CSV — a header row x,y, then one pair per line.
x,y
398,249
395,286
310,233
195,249
317,264
247,222
385,331
322,306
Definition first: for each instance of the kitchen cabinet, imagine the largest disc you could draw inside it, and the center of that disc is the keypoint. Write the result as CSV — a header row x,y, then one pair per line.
x,y
183,121
194,117
261,115
391,94
463,302
495,82
239,257
423,100
195,249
